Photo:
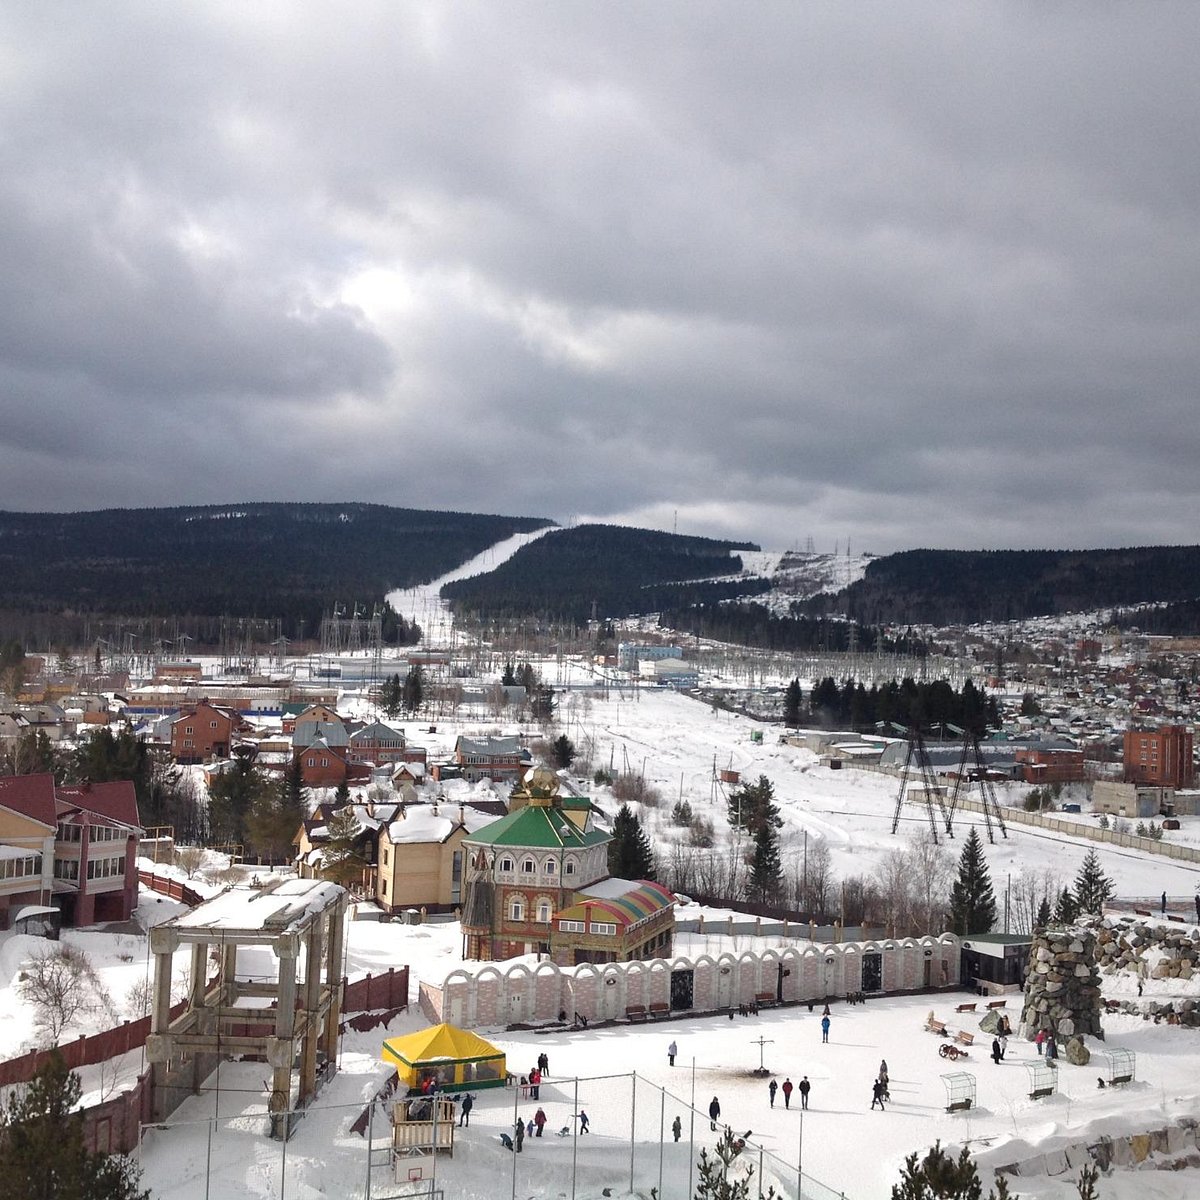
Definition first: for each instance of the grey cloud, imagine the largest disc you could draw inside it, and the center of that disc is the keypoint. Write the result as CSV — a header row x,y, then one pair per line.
x,y
906,275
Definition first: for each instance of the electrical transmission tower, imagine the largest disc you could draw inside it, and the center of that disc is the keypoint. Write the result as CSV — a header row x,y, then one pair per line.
x,y
917,759
972,769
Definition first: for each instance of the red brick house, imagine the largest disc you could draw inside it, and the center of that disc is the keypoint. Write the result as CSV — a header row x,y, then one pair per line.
x,y
323,765
1160,757
97,839
203,732
72,848
380,744
1050,766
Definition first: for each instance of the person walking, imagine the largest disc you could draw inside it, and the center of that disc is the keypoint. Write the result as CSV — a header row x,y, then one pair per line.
x,y
772,1088
787,1093
677,1127
825,1028
535,1081
464,1117
519,1132
583,1121
805,1088
544,1064
883,1078
672,1050
1164,902
714,1113
877,1096
539,1122
997,1055
1038,1039
1003,1044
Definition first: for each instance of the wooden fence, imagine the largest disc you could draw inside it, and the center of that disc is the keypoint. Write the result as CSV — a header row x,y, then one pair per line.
x,y
168,886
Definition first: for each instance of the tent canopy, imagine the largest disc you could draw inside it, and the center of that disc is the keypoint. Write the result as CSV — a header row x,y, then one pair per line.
x,y
439,1043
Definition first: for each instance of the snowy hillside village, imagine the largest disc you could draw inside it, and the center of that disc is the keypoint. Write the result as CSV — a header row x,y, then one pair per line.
x,y
470,920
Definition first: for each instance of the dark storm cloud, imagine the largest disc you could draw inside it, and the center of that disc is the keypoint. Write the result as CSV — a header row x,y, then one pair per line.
x,y
908,274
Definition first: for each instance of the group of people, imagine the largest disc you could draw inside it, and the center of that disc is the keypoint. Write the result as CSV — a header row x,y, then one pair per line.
x,y
787,1089
880,1089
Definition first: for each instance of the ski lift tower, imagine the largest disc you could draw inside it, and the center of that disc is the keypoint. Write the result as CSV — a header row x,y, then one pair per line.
x,y
917,759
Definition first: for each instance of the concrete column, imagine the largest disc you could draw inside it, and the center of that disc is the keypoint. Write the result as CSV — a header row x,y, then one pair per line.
x,y
285,1019
199,974
309,1026
333,978
229,971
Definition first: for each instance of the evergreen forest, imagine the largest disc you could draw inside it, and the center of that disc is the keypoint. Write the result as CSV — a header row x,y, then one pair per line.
x,y
62,574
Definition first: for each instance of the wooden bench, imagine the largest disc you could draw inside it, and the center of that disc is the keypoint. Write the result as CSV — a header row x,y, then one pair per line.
x,y
997,1004
938,1027
659,1009
765,999
965,1008
636,1013
963,1038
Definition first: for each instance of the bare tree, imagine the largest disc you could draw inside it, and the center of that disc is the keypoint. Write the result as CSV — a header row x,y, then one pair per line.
x,y
137,999
190,859
54,983
932,870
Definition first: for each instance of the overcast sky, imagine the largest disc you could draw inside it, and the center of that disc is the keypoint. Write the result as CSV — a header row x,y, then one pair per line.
x,y
909,275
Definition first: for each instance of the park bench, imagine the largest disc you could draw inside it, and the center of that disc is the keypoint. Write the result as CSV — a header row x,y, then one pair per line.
x,y
659,1009
963,1038
965,1008
636,1013
997,1004
935,1026
765,999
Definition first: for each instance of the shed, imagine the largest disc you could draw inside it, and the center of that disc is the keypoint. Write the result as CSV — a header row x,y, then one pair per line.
x,y
455,1059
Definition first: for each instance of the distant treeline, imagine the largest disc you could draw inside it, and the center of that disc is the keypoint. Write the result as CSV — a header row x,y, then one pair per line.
x,y
288,564
605,571
1179,620
948,587
756,625
850,705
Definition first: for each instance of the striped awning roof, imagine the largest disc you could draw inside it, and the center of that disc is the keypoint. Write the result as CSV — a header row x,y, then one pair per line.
x,y
641,900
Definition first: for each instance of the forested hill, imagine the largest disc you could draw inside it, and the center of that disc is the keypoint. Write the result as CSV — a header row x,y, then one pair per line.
x,y
946,587
278,562
609,570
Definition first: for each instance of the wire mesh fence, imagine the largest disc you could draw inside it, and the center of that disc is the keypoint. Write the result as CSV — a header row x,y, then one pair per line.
x,y
615,1132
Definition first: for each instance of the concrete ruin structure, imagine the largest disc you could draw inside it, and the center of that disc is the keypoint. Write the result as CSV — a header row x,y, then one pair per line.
x,y
291,1021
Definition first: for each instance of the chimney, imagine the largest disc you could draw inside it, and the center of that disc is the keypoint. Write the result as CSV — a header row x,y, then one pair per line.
x,y
462,815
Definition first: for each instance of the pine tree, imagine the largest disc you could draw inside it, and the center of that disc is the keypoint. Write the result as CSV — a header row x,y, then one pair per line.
x,y
939,1177
1044,915
42,1151
1065,909
752,806
629,853
341,794
1092,886
342,859
791,704
231,797
391,696
413,692
972,902
564,752
714,1180
766,871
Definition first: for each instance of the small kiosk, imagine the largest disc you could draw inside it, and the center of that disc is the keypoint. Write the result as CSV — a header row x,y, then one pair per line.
x,y
453,1059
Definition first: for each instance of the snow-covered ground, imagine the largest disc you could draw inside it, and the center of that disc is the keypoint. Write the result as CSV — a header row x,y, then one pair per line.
x,y
847,1146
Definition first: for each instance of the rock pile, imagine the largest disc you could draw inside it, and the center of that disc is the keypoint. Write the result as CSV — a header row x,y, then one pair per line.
x,y
1062,992
1124,943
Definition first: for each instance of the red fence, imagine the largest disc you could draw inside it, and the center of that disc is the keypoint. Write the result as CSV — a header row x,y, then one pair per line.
x,y
377,991
84,1051
113,1126
170,887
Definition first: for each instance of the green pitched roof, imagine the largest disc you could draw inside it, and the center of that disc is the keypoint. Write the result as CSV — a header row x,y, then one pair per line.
x,y
541,828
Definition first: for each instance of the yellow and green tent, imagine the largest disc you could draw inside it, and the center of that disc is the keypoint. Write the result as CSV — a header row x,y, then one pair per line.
x,y
455,1059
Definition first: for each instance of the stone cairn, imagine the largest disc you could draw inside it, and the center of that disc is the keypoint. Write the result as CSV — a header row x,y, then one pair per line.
x,y
1062,990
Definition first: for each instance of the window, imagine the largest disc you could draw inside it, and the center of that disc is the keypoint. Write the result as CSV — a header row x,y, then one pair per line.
x,y
605,927
571,926
516,909
528,866
385,882
188,729
212,724
551,866
66,868
570,868
105,868
544,910
385,862
506,864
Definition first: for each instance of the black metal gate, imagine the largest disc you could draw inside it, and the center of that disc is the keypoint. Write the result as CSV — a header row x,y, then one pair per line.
x,y
682,983
872,973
